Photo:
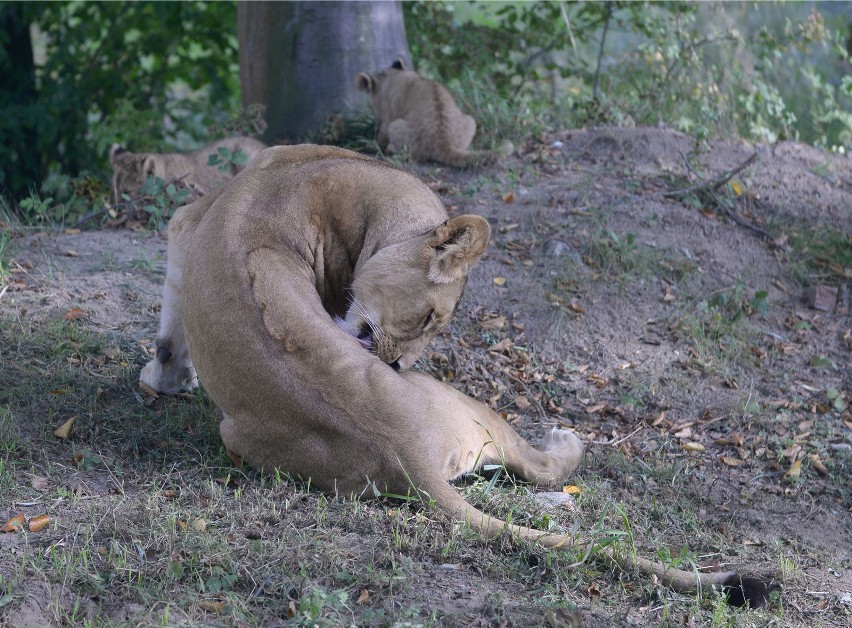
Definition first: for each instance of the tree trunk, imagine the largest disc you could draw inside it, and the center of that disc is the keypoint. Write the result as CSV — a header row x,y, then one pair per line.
x,y
22,166
300,59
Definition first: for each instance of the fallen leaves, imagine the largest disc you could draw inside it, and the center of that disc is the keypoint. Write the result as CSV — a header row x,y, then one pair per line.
x,y
35,524
64,430
75,314
39,523
14,524
794,471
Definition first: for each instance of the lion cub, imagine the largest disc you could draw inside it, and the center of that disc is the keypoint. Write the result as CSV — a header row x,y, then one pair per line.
x,y
419,114
131,169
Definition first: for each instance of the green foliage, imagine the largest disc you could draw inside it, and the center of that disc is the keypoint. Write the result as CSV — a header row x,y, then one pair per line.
x,y
160,200
701,68
224,158
146,74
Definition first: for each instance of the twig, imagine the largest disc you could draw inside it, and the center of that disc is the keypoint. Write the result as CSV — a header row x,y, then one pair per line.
x,y
711,187
620,440
712,184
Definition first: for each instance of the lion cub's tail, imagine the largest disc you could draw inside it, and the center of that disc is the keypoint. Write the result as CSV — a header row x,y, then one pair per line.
x,y
460,159
739,589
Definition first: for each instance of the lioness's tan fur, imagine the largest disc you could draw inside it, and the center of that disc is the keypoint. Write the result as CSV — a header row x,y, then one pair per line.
x,y
131,169
420,115
257,272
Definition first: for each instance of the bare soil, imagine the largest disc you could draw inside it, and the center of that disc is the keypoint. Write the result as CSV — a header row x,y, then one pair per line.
x,y
671,333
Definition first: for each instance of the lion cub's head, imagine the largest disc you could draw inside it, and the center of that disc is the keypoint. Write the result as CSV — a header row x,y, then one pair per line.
x,y
407,292
129,170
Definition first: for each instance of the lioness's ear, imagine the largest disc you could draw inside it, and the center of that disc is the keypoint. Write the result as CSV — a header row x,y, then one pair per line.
x,y
398,64
456,246
365,83
115,149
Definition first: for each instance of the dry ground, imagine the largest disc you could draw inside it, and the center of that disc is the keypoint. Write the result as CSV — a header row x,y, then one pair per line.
x,y
663,319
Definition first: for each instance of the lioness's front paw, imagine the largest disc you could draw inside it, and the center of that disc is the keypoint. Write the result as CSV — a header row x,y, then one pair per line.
x,y
169,378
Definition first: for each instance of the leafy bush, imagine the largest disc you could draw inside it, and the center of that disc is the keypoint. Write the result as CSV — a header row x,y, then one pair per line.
x,y
152,75
703,68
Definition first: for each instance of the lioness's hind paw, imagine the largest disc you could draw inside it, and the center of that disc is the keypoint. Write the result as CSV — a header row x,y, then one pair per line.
x,y
563,442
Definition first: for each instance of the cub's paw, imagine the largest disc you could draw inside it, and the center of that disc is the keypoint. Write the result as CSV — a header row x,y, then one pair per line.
x,y
169,378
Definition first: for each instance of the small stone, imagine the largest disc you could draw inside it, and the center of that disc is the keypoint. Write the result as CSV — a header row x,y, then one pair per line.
x,y
821,297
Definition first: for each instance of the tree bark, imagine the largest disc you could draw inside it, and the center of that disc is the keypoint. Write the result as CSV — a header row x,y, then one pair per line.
x,y
300,59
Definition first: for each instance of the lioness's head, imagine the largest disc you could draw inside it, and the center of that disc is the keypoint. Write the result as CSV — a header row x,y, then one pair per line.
x,y
129,171
407,292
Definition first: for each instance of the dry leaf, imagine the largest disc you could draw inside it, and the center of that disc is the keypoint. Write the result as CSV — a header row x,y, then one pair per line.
x,y
235,459
75,314
693,446
509,197
731,462
575,307
500,280
39,483
199,525
71,253
572,489
522,402
817,464
211,606
64,430
14,524
498,322
504,345
38,523
362,597
794,471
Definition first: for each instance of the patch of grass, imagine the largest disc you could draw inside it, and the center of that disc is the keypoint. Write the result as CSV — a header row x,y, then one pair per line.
x,y
156,527
153,266
622,257
821,254
717,328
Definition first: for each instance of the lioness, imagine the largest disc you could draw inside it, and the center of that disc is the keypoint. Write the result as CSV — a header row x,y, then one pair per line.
x,y
131,169
302,290
419,114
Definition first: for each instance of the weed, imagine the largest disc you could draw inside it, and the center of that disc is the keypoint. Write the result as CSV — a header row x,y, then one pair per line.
x,y
821,253
226,160
160,200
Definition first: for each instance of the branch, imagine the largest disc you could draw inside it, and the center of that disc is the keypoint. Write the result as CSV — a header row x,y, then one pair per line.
x,y
712,186
600,50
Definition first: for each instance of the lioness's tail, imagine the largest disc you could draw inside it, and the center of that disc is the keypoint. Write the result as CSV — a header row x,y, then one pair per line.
x,y
739,589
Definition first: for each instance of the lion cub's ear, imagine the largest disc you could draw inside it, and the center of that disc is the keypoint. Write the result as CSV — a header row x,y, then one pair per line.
x,y
365,83
149,166
398,64
115,149
456,246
